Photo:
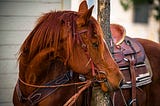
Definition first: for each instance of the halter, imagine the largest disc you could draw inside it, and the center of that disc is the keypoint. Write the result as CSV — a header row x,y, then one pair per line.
x,y
62,80
94,68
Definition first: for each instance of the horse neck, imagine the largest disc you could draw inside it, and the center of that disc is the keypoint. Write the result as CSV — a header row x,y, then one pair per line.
x,y
41,73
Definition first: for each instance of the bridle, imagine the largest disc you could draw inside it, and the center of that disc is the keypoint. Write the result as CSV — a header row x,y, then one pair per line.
x,y
95,70
65,78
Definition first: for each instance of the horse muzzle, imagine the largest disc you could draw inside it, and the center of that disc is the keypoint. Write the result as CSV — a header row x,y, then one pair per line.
x,y
106,85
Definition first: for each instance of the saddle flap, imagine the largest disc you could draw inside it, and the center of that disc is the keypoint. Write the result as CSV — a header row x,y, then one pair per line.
x,y
131,46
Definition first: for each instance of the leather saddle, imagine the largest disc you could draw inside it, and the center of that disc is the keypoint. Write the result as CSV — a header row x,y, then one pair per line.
x,y
127,49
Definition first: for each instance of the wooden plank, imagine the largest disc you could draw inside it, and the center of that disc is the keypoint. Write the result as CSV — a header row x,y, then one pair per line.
x,y
8,80
52,1
13,37
27,8
17,23
6,95
9,52
8,66
66,4
17,19
6,103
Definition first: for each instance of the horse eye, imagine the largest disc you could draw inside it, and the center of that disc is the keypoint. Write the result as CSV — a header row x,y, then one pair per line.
x,y
95,35
95,44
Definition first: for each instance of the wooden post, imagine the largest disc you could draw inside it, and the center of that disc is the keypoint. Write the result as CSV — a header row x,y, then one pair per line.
x,y
100,98
104,19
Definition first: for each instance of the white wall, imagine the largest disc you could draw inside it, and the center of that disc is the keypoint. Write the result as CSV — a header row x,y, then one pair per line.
x,y
17,19
75,5
125,18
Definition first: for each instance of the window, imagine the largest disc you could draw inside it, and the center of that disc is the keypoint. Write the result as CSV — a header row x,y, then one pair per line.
x,y
141,13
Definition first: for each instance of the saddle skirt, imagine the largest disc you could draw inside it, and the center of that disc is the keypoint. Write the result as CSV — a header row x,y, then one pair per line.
x,y
126,49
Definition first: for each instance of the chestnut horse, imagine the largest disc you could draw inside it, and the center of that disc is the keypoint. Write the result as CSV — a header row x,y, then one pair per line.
x,y
149,94
63,45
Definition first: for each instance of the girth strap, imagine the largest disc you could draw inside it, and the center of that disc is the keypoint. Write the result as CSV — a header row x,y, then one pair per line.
x,y
41,93
133,77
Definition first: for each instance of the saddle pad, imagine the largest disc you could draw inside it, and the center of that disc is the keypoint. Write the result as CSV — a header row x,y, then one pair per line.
x,y
126,49
143,75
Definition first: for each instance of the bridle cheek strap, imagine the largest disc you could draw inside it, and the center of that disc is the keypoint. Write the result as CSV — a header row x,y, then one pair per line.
x,y
84,47
93,69
90,61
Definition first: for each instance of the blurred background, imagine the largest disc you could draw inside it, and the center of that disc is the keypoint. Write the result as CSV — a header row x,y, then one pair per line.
x,y
18,17
141,18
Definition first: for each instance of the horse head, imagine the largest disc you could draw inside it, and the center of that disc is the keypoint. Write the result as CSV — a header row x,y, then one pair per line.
x,y
72,38
87,51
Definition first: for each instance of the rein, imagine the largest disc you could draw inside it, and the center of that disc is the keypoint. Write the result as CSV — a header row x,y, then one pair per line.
x,y
52,86
43,91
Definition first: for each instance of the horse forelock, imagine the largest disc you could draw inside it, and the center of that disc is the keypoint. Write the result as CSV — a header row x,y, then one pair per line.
x,y
46,34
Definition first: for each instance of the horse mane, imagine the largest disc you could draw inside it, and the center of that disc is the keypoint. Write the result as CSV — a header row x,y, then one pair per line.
x,y
47,34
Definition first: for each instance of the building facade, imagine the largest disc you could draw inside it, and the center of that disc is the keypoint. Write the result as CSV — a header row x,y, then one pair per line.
x,y
17,19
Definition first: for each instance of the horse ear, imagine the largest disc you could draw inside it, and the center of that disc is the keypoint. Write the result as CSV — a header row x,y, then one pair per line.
x,y
84,17
89,13
83,7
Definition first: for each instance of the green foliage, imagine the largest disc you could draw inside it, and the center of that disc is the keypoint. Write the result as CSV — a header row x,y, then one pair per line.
x,y
126,4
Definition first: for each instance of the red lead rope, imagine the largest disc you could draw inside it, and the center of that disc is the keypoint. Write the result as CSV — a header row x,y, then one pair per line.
x,y
73,99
